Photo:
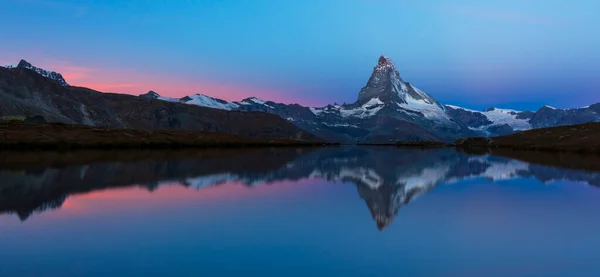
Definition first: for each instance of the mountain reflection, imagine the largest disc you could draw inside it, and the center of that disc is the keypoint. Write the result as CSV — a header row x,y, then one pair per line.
x,y
386,178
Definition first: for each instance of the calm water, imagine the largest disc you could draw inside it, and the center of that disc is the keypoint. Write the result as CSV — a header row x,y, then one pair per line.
x,y
301,212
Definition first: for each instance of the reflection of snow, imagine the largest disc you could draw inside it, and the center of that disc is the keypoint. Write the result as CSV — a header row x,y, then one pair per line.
x,y
503,171
210,180
428,177
364,175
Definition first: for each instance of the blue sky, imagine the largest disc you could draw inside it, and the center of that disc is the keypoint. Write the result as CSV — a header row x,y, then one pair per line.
x,y
510,54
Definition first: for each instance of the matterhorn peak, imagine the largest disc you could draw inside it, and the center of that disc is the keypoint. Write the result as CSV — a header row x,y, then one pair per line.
x,y
385,61
385,83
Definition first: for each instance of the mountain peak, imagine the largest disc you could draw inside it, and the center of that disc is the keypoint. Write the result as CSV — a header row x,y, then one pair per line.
x,y
25,64
46,73
383,60
151,94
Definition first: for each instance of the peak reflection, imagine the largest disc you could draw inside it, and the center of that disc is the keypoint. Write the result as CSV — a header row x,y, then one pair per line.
x,y
386,178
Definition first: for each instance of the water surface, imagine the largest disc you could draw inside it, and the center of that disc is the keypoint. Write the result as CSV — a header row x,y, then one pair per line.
x,y
349,211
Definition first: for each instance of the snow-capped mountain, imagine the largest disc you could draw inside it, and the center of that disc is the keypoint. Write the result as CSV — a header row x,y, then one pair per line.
x,y
495,122
386,87
389,109
46,73
196,99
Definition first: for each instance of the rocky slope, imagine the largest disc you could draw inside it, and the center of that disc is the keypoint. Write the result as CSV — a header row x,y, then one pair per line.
x,y
25,91
46,73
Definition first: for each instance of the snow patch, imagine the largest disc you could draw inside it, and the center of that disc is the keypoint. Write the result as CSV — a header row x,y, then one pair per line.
x,y
366,110
503,171
428,177
429,110
209,102
168,99
461,108
505,116
210,180
364,175
340,125
315,111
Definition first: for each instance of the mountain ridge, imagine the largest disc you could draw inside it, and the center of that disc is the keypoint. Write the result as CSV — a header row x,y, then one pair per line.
x,y
387,103
24,92
389,109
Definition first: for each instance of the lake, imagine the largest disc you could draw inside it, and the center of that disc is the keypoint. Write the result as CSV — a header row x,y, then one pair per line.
x,y
339,211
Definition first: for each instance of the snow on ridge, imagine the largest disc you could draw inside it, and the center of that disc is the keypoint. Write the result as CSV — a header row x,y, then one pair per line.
x,y
503,171
210,180
315,111
254,100
398,85
365,175
168,99
366,110
461,108
340,125
505,110
257,101
499,117
428,177
505,116
421,93
429,110
210,102
9,66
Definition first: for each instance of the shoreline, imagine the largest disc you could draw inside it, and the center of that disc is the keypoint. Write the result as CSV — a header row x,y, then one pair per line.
x,y
18,136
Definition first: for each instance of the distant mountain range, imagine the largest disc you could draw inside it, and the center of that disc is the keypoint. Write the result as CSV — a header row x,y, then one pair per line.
x,y
387,109
390,109
26,90
386,179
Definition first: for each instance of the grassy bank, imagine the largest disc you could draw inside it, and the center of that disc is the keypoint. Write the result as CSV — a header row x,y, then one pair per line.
x,y
16,135
582,138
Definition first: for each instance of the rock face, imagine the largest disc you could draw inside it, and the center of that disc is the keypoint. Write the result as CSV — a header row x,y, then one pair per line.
x,y
26,92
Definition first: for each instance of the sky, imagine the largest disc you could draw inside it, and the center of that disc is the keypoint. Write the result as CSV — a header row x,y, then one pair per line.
x,y
473,53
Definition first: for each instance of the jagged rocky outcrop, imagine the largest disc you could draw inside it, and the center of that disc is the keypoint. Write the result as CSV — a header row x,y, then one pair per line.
x,y
46,73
